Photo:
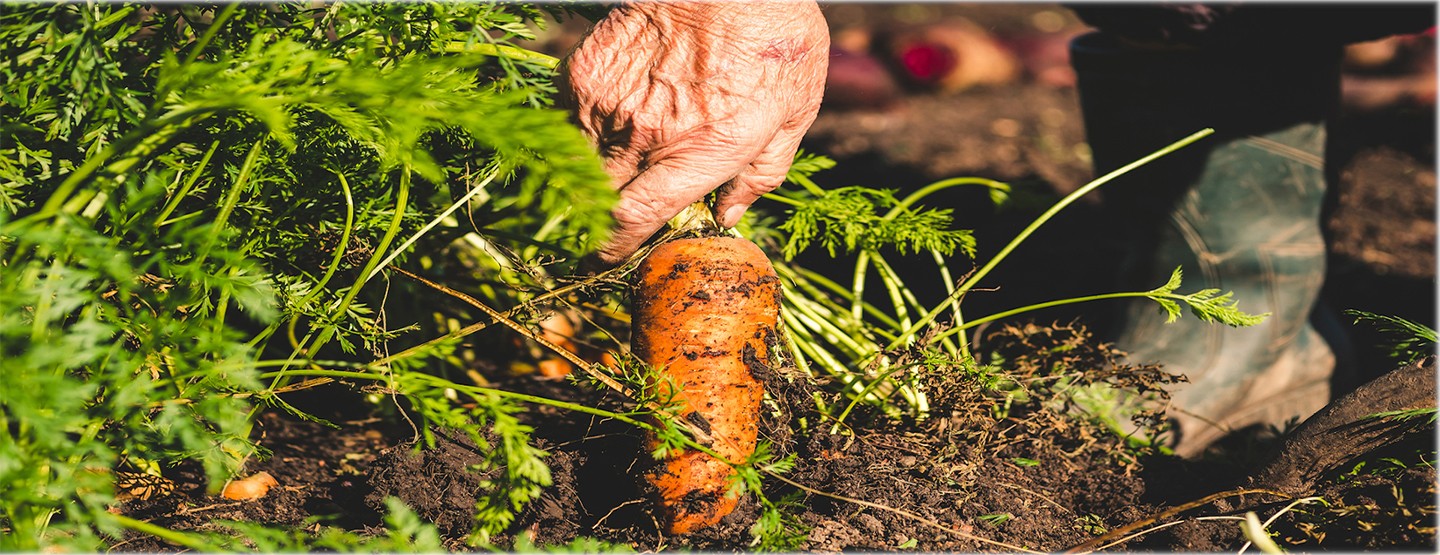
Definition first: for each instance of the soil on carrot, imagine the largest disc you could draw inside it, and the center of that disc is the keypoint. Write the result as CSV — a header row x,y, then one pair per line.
x,y
985,472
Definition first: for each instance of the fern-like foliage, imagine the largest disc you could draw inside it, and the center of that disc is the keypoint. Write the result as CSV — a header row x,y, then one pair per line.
x,y
777,528
1209,305
1412,341
807,164
187,193
863,219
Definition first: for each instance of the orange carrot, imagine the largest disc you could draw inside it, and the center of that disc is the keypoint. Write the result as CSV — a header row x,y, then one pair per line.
x,y
252,487
704,315
557,329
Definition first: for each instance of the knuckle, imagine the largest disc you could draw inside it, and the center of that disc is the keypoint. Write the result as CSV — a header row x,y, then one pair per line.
x,y
636,211
758,183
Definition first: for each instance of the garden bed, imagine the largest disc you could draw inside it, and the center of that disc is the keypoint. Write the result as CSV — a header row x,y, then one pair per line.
x,y
962,481
223,237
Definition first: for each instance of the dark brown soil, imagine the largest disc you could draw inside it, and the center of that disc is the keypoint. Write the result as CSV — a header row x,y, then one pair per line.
x,y
982,474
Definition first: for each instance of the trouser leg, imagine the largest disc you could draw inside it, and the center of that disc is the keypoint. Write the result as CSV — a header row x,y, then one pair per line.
x,y
1239,211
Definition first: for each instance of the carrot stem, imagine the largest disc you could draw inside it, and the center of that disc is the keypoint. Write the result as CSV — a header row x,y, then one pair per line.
x,y
1041,220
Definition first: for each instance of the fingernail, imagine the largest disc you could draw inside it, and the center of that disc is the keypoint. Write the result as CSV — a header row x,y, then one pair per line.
x,y
732,215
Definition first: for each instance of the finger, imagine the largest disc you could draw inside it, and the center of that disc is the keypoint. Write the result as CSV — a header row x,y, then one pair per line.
x,y
620,143
623,167
655,195
598,109
764,174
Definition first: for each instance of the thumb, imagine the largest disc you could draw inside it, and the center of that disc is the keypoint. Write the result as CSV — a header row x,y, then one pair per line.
x,y
655,195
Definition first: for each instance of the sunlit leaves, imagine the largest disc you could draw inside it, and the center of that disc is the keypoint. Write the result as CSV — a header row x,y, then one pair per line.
x,y
1209,305
863,219
174,181
1412,341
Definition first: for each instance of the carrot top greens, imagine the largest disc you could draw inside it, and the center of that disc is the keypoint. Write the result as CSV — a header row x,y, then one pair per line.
x,y
196,203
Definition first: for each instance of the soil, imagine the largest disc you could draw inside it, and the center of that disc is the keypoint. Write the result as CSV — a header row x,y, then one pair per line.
x,y
985,473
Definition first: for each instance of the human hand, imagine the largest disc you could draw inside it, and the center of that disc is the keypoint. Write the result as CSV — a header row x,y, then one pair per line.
x,y
684,98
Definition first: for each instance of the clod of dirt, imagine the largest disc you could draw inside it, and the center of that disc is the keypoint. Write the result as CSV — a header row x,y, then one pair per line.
x,y
1349,427
440,484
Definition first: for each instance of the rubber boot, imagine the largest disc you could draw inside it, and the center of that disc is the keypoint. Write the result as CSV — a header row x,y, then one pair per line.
x,y
1238,211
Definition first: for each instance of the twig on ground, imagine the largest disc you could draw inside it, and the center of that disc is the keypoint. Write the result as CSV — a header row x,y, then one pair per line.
x,y
902,512
1042,497
1092,545
1160,527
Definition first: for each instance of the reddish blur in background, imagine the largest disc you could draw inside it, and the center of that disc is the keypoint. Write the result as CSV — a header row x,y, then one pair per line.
x,y
881,53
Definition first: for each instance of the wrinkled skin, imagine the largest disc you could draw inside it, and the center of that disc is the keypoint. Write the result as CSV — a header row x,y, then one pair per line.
x,y
689,97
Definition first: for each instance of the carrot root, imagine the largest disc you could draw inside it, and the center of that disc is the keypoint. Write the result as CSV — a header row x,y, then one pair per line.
x,y
705,313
